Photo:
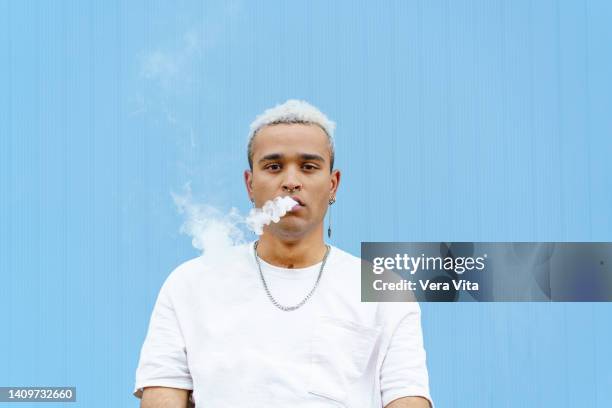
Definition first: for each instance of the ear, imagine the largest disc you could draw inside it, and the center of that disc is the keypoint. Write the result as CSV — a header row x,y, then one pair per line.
x,y
334,183
248,182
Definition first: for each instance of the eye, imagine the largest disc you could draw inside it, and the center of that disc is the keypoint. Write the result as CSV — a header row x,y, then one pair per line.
x,y
273,167
309,166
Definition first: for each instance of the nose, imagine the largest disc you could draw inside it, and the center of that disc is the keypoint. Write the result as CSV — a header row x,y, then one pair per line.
x,y
291,183
291,187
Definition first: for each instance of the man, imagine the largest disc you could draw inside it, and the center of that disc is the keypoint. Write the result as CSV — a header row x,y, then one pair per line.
x,y
279,322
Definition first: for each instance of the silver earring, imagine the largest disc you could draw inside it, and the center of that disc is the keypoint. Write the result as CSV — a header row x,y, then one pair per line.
x,y
253,203
329,229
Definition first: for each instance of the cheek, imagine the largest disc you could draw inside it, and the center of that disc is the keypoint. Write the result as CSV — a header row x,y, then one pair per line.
x,y
261,184
321,203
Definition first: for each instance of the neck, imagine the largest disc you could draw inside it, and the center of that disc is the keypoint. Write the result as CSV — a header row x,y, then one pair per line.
x,y
301,253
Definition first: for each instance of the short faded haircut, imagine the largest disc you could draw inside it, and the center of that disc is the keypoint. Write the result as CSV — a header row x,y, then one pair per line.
x,y
292,111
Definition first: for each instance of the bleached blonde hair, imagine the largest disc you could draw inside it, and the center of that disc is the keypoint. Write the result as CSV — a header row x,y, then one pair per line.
x,y
292,111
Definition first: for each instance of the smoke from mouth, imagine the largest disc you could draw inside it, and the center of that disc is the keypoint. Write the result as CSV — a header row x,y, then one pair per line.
x,y
213,231
271,211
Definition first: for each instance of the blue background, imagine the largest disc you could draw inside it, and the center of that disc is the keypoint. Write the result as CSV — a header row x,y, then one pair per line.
x,y
457,121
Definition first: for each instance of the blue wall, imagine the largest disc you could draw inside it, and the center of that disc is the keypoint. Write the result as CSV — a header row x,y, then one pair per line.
x,y
457,121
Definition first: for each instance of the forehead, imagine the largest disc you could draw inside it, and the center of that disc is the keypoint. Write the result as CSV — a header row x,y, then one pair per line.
x,y
291,137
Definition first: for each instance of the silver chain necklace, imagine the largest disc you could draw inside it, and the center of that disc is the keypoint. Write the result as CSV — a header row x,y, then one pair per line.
x,y
274,301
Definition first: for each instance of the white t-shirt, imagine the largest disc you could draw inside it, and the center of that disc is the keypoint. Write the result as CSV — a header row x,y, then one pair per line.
x,y
215,331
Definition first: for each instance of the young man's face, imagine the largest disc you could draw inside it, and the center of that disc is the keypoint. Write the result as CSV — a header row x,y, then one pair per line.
x,y
293,157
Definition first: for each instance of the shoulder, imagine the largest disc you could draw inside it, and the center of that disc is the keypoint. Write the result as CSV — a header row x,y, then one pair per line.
x,y
345,261
389,314
209,266
347,269
344,273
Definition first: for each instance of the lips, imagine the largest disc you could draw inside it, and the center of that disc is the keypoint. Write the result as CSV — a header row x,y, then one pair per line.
x,y
299,204
299,200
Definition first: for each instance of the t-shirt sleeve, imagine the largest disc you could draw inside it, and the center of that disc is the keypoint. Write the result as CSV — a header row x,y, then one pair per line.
x,y
163,357
404,370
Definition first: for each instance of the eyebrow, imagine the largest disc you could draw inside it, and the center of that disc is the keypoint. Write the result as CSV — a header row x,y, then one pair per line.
x,y
303,156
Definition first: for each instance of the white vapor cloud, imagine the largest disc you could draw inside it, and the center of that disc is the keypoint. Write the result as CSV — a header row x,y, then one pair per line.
x,y
211,230
214,232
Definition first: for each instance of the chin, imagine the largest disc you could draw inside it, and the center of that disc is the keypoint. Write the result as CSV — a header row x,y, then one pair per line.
x,y
288,228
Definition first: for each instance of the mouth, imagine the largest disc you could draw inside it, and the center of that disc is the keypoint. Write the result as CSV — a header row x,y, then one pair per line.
x,y
299,204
